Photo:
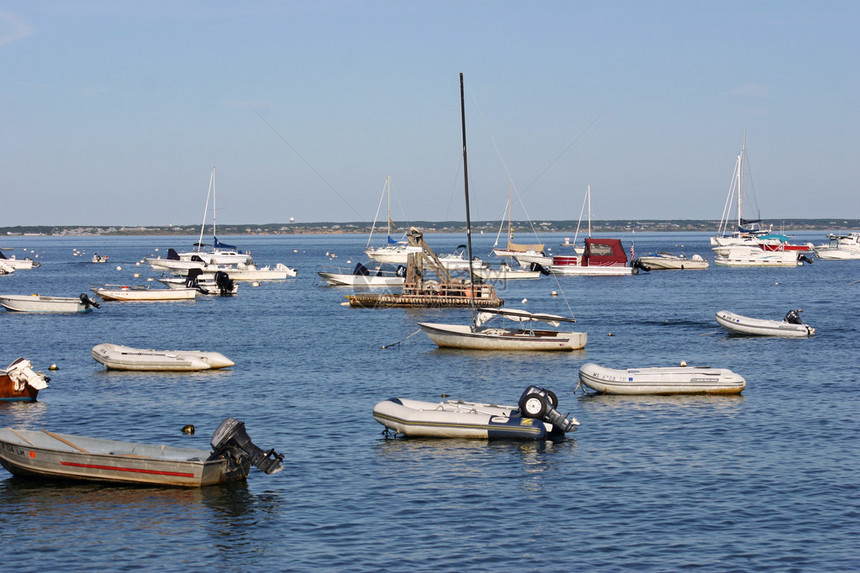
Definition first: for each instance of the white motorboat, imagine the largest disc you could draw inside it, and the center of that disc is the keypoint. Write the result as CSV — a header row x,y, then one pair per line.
x,y
39,303
477,336
219,284
663,261
97,258
142,293
16,263
6,269
116,357
267,273
364,277
50,455
741,256
843,246
506,273
457,261
789,327
536,418
19,383
661,381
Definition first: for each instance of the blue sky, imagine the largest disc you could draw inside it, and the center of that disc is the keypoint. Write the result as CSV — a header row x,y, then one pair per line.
x,y
115,112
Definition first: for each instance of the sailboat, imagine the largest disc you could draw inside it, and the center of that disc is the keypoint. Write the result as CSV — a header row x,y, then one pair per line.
x,y
394,252
479,337
748,233
512,249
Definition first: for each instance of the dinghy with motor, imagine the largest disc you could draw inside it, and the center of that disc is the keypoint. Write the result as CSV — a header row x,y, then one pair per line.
x,y
116,357
20,383
660,380
535,418
50,455
40,303
789,327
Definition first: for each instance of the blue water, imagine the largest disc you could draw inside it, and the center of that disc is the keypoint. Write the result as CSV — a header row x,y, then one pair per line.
x,y
764,481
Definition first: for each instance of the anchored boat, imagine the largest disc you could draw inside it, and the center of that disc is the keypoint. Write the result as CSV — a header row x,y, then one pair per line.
x,y
20,383
789,327
668,380
45,454
116,357
39,303
536,418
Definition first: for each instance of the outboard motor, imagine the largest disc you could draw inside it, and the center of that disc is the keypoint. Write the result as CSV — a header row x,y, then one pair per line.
x,y
88,302
639,265
224,283
360,270
793,316
539,267
804,259
540,403
231,439
192,279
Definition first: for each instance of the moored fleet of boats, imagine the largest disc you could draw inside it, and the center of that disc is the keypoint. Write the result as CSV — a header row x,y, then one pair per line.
x,y
412,275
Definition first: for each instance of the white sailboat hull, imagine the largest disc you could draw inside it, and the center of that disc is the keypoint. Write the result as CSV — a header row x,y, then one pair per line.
x,y
462,337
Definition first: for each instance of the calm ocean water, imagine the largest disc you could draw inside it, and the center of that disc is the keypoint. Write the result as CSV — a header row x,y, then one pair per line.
x,y
765,481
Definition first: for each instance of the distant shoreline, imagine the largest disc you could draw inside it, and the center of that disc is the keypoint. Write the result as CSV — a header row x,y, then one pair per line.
x,y
522,228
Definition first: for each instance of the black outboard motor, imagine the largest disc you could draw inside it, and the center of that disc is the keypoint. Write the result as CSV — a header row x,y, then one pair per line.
x,y
793,316
88,302
539,267
540,403
360,270
224,283
192,279
231,440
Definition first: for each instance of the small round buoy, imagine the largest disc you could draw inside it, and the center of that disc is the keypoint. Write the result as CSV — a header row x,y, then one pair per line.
x,y
149,279
553,293
53,367
156,250
683,362
136,275
255,284
525,300
119,268
137,264
610,334
776,283
188,429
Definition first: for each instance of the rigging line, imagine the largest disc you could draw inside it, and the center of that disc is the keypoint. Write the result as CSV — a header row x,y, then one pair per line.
x,y
362,218
402,340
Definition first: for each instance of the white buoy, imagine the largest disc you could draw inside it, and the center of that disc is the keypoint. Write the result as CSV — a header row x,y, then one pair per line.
x,y
119,268
149,279
525,300
137,264
53,367
136,275
683,363
553,293
255,284
344,304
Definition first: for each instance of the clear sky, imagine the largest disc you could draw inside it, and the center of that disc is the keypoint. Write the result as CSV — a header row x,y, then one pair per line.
x,y
115,112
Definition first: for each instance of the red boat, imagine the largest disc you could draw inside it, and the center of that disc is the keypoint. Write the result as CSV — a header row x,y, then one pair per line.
x,y
20,383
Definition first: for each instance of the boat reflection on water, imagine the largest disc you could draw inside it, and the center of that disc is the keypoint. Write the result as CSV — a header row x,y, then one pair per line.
x,y
654,404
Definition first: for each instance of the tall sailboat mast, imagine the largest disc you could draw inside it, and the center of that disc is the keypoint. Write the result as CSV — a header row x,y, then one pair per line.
x,y
206,210
468,214
741,181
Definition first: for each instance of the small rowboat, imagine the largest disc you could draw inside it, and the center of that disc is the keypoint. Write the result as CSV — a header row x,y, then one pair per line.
x,y
141,293
789,327
39,303
670,380
116,357
535,419
51,455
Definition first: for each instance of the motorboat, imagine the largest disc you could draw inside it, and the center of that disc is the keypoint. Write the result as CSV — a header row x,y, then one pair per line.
x,y
50,455
535,418
364,277
664,261
117,357
19,383
602,257
219,284
15,263
457,261
142,293
41,303
789,327
6,269
478,336
179,264
755,256
251,272
506,273
97,258
843,246
660,380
